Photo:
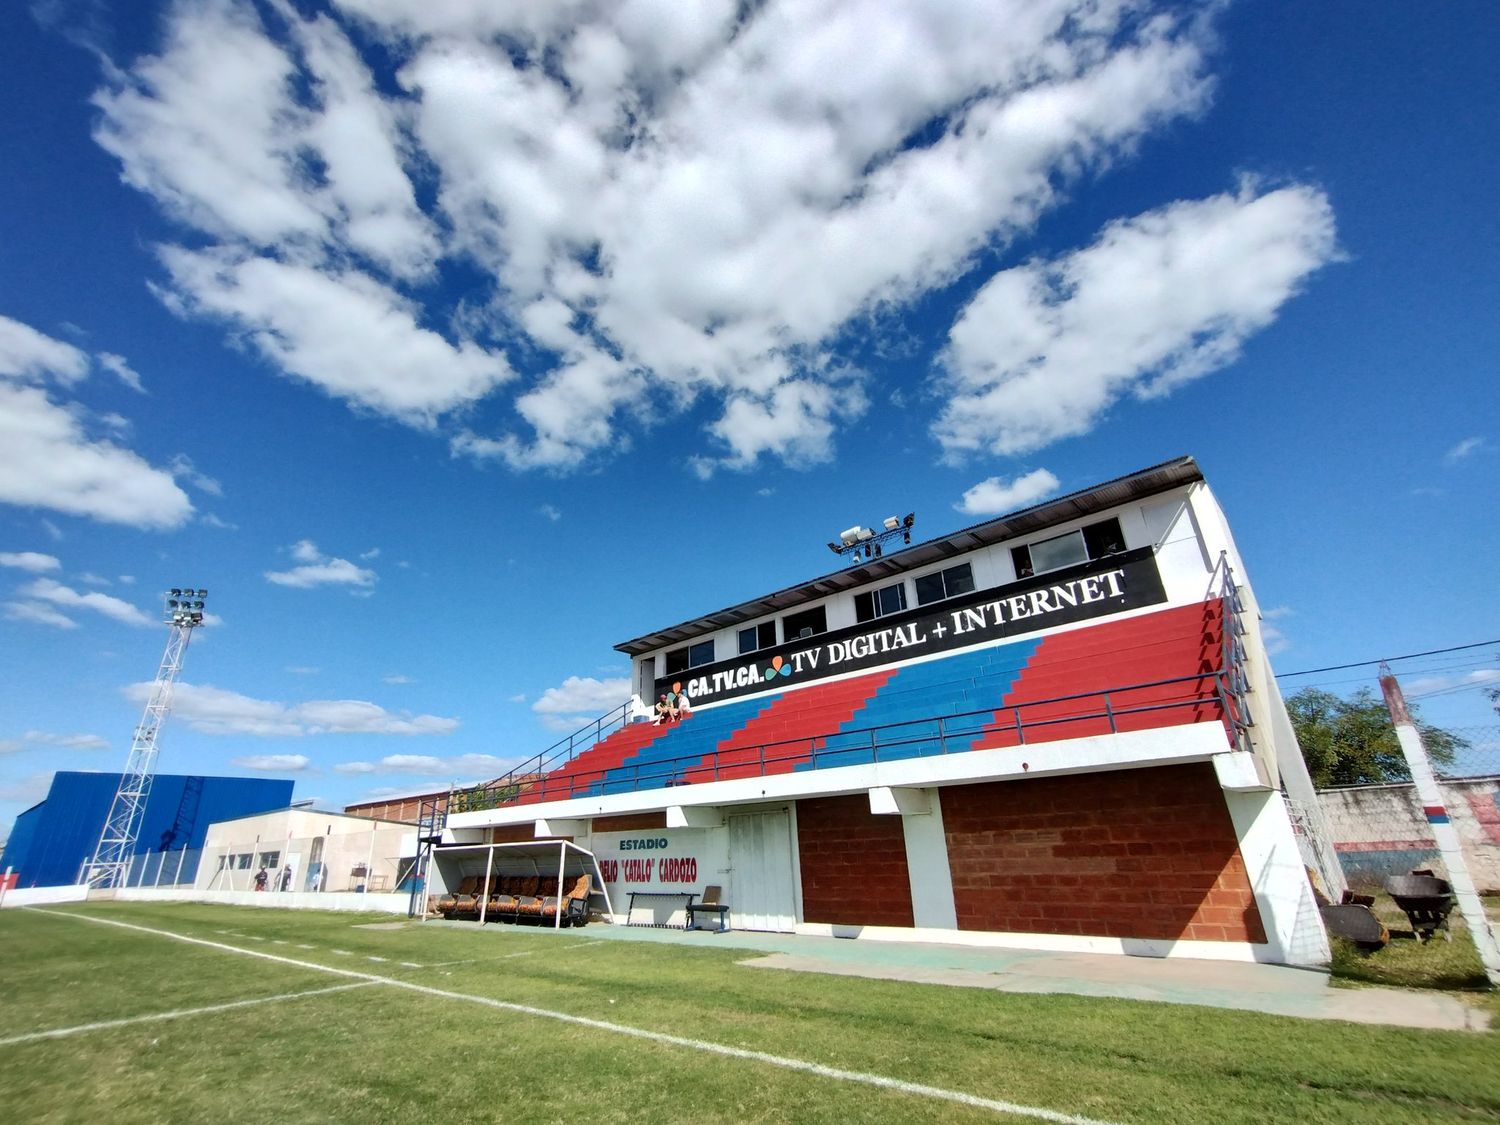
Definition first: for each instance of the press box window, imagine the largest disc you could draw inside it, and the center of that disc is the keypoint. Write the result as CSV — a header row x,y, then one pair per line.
x,y
945,584
804,624
878,603
1085,544
758,637
681,659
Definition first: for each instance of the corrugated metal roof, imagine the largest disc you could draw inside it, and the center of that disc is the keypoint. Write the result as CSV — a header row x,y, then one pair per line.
x,y
1085,502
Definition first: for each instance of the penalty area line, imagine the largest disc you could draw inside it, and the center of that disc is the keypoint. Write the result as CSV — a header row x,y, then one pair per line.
x,y
154,1017
935,1093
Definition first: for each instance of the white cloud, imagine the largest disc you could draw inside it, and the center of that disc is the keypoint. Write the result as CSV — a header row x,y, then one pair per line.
x,y
48,460
27,354
994,495
341,330
10,746
38,614
463,765
117,366
397,678
34,561
1046,348
182,466
302,670
273,763
50,591
318,569
27,791
579,700
217,711
66,741
356,767
1463,449
552,512
670,207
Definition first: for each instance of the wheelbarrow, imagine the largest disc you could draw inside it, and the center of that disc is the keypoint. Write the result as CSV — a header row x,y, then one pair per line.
x,y
1425,899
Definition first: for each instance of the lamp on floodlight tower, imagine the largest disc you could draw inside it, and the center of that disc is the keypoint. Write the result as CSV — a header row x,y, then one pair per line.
x,y
861,543
111,862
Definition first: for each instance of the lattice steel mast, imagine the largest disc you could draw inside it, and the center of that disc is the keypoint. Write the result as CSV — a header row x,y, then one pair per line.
x,y
111,862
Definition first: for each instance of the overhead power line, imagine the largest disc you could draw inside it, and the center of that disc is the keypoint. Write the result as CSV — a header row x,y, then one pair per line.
x,y
1367,663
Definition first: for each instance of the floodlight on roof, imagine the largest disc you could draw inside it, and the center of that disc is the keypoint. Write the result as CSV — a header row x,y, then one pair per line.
x,y
863,543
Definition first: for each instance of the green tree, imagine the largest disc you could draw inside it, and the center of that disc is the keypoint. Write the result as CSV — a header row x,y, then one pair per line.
x,y
1353,742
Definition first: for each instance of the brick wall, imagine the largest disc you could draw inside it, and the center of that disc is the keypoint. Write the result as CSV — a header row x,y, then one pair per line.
x,y
636,822
853,864
1147,853
512,833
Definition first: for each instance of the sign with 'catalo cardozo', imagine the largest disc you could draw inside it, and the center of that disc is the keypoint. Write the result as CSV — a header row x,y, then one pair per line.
x,y
1125,581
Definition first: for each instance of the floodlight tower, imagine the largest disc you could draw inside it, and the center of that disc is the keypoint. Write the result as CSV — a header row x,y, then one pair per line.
x,y
111,862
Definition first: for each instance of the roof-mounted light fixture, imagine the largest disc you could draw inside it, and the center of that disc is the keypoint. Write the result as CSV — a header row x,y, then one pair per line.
x,y
862,543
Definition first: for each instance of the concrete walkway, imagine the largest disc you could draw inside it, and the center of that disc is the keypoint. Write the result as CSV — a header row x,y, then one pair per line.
x,y
1275,989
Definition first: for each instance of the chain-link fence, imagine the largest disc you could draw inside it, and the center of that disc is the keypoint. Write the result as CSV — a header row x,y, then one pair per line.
x,y
1383,830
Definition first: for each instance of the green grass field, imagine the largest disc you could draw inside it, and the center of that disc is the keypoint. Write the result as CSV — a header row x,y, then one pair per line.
x,y
382,1052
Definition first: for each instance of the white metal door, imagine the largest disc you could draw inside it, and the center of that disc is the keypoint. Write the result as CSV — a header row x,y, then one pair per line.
x,y
760,863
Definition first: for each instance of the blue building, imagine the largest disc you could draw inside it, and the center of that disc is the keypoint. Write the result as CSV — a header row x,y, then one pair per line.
x,y
52,840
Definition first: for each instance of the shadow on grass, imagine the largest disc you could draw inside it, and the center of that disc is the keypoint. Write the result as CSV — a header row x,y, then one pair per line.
x,y
1447,961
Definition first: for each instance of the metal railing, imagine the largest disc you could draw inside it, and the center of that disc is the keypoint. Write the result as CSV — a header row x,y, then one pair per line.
x,y
1095,713
1217,694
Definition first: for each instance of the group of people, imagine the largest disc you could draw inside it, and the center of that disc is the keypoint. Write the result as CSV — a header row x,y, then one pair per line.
x,y
263,879
671,707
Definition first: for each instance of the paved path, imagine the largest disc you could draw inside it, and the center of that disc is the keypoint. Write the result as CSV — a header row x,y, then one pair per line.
x,y
1276,989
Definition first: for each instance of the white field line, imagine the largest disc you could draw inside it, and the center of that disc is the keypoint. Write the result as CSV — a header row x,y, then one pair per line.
x,y
936,1093
65,1032
477,960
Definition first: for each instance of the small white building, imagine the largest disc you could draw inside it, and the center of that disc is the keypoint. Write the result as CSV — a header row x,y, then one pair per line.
x,y
306,851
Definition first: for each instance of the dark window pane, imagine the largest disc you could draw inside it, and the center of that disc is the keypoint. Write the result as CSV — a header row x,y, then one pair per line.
x,y
677,661
1021,556
767,630
864,606
806,623
892,599
959,580
1104,538
747,641
701,653
930,588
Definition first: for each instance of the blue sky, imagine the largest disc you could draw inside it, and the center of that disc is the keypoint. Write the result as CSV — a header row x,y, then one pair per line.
x,y
450,344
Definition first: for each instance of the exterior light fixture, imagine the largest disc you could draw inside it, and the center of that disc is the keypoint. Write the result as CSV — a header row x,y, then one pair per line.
x,y
860,543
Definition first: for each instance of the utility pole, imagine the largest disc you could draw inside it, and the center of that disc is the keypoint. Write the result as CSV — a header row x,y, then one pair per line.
x,y
116,848
1469,903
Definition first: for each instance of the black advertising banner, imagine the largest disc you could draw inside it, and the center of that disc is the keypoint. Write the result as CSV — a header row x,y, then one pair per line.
x,y
1129,580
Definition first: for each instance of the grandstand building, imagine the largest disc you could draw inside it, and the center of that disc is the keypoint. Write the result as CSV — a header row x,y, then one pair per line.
x,y
1057,729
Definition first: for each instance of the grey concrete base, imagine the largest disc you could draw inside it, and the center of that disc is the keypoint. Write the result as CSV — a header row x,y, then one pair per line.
x,y
1274,989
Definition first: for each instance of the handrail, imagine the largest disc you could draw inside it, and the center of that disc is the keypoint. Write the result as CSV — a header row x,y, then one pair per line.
x,y
1229,689
676,771
489,794
1237,718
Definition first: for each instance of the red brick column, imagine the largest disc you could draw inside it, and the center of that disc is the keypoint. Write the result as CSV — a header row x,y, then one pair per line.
x,y
1145,853
853,864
